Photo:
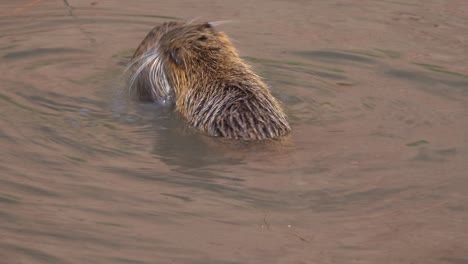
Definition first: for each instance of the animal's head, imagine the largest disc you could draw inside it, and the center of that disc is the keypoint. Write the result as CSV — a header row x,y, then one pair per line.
x,y
196,44
174,54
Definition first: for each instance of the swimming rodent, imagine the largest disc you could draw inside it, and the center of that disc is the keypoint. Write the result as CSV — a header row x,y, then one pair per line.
x,y
199,69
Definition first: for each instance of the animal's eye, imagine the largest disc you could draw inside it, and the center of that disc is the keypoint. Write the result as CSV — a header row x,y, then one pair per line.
x,y
202,38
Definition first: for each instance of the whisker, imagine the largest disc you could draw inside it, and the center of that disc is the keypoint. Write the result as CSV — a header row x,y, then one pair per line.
x,y
152,73
148,60
220,22
193,20
137,59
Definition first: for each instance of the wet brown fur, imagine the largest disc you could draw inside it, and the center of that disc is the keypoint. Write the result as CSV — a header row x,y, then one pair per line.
x,y
214,89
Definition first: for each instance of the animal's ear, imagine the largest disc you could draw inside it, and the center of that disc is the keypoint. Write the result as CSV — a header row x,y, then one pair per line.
x,y
177,56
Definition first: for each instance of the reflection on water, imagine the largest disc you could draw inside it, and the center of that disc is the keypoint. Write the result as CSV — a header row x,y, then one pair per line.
x,y
374,171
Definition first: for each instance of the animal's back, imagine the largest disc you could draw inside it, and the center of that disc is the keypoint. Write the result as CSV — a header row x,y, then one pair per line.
x,y
237,113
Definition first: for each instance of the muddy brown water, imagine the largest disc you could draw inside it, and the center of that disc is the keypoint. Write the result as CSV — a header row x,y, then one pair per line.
x,y
375,170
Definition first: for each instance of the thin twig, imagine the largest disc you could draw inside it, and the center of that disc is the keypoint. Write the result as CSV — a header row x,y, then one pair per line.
x,y
301,238
80,28
69,7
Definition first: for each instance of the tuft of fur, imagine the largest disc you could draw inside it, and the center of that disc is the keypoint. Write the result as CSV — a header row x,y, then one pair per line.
x,y
213,88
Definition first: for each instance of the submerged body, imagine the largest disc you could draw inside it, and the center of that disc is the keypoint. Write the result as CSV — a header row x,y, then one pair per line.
x,y
213,89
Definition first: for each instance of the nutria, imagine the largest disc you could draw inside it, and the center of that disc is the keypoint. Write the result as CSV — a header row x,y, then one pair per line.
x,y
199,69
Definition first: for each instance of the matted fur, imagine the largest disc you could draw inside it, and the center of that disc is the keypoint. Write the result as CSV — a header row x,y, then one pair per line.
x,y
213,88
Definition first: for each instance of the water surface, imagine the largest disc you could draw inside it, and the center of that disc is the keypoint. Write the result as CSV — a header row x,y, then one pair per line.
x,y
374,171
